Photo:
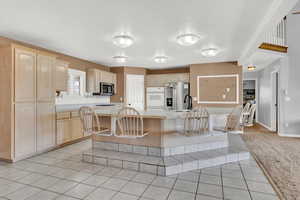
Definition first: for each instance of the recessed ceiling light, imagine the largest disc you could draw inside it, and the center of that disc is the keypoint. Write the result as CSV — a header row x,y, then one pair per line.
x,y
209,52
120,59
160,59
123,41
251,68
187,39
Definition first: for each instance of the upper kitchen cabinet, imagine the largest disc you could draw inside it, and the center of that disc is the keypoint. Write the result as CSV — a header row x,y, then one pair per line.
x,y
93,79
25,75
107,77
95,76
45,72
61,75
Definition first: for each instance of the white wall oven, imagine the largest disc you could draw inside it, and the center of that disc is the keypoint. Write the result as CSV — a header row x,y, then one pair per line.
x,y
155,98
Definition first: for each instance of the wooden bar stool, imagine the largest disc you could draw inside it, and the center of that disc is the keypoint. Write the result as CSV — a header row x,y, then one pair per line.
x,y
91,123
196,122
130,124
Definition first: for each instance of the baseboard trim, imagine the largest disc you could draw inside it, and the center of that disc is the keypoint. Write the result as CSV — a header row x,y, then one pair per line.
x,y
6,160
73,142
288,135
265,126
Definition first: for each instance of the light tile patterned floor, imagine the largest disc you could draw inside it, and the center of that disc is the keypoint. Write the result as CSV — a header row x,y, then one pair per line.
x,y
62,175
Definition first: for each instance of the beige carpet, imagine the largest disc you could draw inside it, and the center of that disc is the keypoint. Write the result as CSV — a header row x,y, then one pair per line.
x,y
280,156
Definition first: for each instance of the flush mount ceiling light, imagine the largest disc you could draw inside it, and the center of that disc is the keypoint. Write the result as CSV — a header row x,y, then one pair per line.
x,y
160,59
187,39
120,59
122,41
251,68
209,52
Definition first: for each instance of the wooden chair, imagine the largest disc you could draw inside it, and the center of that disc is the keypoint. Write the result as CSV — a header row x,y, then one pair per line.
x,y
196,122
250,119
245,113
233,120
91,122
130,123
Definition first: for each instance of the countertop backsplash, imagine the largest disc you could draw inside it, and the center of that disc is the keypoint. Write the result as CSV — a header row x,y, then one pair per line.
x,y
68,100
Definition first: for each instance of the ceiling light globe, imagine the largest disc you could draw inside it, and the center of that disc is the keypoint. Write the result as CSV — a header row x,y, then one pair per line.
x,y
160,59
120,59
123,41
187,39
210,52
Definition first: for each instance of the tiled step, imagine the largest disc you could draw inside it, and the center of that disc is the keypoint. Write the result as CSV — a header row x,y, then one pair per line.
x,y
166,165
172,144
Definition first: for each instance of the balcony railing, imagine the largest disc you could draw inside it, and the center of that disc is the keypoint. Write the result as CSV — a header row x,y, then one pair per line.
x,y
275,39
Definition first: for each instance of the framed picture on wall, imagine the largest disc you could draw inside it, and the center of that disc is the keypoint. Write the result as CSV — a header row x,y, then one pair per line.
x,y
218,89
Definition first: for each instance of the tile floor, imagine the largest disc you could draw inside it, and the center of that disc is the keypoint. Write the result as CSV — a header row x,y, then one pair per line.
x,y
62,175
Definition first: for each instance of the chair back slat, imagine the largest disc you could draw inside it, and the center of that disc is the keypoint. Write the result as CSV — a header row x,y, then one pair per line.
x,y
86,115
91,122
130,123
233,119
196,121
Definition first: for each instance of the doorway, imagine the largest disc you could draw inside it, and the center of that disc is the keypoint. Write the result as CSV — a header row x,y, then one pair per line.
x,y
275,102
135,91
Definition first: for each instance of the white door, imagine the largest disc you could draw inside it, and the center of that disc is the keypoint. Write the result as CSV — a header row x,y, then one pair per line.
x,y
135,91
274,105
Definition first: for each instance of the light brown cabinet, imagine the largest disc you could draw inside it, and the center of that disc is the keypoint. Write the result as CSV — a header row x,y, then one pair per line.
x,y
61,75
95,76
45,78
45,126
25,130
25,75
76,128
69,127
63,131
31,95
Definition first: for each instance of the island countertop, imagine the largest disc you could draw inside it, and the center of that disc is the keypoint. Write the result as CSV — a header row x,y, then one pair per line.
x,y
112,110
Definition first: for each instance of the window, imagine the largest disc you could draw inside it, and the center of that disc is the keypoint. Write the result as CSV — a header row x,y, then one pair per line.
x,y
76,82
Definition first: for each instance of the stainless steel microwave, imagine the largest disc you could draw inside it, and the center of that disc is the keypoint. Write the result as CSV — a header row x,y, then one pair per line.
x,y
106,89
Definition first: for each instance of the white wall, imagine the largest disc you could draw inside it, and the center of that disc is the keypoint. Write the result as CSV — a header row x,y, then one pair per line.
x,y
290,81
264,93
249,75
289,85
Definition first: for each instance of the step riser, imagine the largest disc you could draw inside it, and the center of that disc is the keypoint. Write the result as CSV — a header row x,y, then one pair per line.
x,y
162,170
160,151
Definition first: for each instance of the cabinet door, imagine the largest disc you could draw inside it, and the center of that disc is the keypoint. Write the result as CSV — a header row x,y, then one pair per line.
x,y
25,131
106,77
61,75
93,80
45,126
76,128
25,70
45,86
63,132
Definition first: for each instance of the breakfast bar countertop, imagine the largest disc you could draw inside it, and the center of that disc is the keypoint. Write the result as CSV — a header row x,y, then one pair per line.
x,y
112,109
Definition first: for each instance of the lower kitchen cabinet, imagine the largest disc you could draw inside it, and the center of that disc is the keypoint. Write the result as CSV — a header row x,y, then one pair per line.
x,y
63,131
76,128
68,127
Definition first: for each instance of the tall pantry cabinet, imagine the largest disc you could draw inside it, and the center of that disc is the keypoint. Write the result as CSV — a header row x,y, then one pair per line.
x,y
28,102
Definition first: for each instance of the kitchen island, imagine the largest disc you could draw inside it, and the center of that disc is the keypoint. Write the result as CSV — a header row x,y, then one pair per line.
x,y
159,123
